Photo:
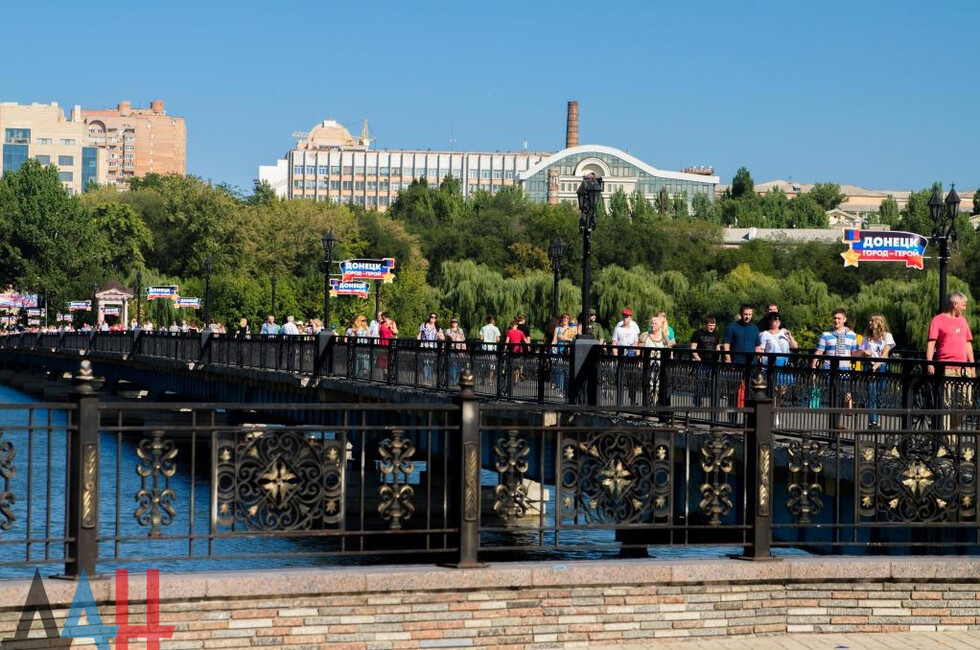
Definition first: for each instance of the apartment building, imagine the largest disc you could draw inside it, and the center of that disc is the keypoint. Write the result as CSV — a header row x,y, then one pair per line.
x,y
42,132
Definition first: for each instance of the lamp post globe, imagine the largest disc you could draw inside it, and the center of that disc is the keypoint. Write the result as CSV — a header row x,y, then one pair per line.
x,y
555,253
328,243
943,215
589,193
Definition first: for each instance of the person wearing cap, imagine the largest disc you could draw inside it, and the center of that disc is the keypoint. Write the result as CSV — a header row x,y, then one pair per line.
x,y
597,330
626,333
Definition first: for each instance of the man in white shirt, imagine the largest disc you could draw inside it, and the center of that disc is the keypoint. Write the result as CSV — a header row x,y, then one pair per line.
x,y
490,334
374,329
626,333
290,326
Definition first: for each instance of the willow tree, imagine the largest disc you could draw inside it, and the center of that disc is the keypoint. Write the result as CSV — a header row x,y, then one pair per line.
x,y
638,288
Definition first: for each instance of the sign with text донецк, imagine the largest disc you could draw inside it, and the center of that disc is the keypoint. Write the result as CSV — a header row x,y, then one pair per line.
x,y
382,270
884,246
356,288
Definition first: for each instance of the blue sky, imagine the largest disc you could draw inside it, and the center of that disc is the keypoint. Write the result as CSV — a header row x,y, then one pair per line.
x,y
879,94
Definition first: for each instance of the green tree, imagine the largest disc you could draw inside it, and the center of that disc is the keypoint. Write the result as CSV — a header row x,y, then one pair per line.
x,y
916,216
742,184
888,212
705,209
976,201
640,208
124,237
262,194
51,246
828,195
619,205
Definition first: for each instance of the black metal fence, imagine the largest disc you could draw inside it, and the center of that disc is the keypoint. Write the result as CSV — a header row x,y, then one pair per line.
x,y
95,483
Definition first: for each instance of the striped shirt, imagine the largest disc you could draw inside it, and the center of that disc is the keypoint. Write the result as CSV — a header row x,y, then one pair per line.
x,y
838,343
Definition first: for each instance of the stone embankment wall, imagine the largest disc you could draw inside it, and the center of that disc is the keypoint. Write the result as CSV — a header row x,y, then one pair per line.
x,y
537,605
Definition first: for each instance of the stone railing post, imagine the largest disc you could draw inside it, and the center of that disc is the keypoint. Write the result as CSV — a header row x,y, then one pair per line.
x,y
83,478
758,479
469,520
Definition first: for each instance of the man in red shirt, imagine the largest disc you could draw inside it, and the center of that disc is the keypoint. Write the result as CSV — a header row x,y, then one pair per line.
x,y
949,342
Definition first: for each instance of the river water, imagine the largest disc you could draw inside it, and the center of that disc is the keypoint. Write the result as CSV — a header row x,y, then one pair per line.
x,y
39,486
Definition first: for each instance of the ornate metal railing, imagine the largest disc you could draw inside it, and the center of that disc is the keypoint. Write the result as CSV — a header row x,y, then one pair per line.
x,y
97,482
601,375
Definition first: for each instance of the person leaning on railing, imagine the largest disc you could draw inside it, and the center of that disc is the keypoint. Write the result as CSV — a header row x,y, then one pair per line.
x,y
949,342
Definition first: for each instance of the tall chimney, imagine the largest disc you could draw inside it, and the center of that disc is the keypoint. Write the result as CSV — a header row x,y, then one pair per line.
x,y
571,128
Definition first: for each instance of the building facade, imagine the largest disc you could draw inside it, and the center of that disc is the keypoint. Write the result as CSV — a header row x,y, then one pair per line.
x,y
138,141
556,178
329,164
42,132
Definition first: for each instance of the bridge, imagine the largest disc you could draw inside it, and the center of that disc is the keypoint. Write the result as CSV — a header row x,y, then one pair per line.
x,y
660,450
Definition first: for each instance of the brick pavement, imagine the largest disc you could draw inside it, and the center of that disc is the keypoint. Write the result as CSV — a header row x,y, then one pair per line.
x,y
954,640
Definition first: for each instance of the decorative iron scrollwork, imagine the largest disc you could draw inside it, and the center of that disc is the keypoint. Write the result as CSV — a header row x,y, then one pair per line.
x,y
90,486
7,470
805,466
918,478
471,482
616,477
156,467
717,455
510,495
279,480
765,480
396,466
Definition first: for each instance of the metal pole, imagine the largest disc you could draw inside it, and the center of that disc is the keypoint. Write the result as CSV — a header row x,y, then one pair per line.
x,y
943,261
469,524
326,293
83,478
554,294
207,293
586,325
139,298
377,297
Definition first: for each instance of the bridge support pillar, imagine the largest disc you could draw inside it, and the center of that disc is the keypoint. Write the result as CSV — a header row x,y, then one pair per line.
x,y
469,519
759,457
585,366
83,479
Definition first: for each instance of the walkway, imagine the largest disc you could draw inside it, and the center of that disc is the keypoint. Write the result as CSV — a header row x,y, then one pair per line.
x,y
893,641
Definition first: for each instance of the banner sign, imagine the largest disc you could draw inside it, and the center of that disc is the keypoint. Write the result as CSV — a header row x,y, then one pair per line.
x,y
8,320
168,293
884,246
33,321
80,305
343,288
113,311
18,300
382,270
35,312
64,318
189,303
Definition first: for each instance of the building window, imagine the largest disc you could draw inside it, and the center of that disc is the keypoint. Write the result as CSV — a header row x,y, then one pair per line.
x,y
498,174
384,171
66,161
67,177
334,170
298,170
68,141
372,185
335,185
509,174
484,173
396,171
310,169
323,170
348,170
347,185
44,141
44,160
14,156
90,166
17,136
358,185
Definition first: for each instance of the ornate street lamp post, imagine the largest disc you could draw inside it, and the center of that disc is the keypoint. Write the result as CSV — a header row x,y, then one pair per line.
x,y
944,233
554,252
588,200
207,293
274,280
328,242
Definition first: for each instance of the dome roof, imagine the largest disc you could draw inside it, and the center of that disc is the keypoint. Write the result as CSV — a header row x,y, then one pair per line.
x,y
328,133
